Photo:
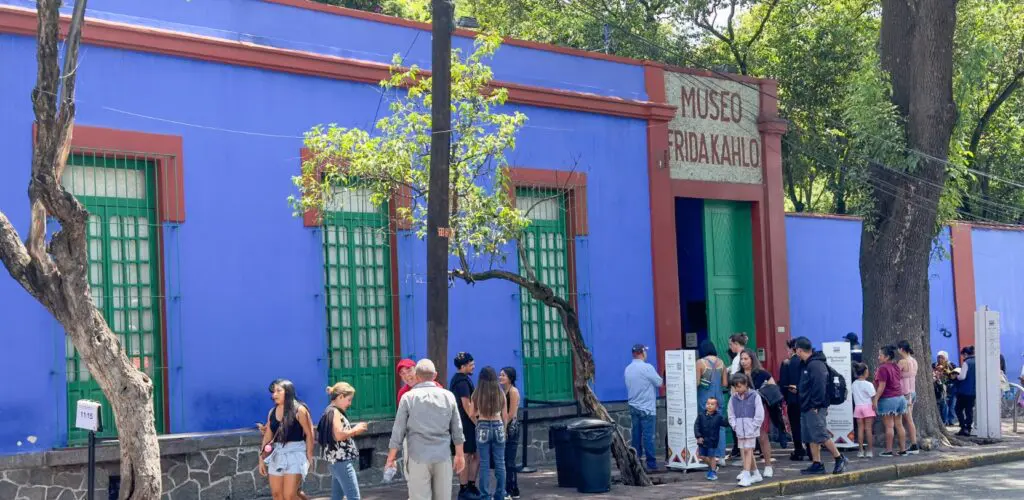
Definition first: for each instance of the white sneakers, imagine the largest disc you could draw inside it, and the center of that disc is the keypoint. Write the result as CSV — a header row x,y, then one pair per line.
x,y
860,453
865,454
769,472
745,479
869,454
756,478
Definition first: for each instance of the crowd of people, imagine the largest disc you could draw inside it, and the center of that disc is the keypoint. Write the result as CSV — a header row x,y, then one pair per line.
x,y
467,429
741,397
470,428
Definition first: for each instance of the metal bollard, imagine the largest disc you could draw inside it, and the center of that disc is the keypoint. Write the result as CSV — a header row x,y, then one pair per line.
x,y
525,433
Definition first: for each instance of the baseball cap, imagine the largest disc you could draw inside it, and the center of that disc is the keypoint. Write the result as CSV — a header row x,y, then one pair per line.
x,y
852,337
405,363
639,348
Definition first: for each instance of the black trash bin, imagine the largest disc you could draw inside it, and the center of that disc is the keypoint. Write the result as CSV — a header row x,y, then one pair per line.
x,y
591,442
566,462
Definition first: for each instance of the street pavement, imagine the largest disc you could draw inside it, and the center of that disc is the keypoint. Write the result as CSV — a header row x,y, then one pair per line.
x,y
982,483
674,485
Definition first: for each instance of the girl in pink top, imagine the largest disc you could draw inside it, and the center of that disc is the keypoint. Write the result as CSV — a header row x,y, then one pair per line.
x,y
908,368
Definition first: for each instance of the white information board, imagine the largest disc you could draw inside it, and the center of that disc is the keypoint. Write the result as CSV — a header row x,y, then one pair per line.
x,y
87,415
840,417
681,406
986,362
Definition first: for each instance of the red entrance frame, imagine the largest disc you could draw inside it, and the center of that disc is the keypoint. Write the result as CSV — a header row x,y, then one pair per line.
x,y
166,152
768,221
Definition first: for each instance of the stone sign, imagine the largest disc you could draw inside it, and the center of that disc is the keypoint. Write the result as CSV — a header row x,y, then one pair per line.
x,y
714,135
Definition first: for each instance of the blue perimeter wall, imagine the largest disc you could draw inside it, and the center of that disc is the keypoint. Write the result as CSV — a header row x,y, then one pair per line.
x,y
999,284
825,297
245,308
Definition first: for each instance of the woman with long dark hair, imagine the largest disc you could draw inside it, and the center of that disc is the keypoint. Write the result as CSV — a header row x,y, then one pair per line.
x,y
507,379
287,446
489,403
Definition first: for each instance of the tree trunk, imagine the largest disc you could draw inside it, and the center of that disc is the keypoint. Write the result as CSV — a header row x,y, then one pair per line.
x,y
630,467
55,272
916,49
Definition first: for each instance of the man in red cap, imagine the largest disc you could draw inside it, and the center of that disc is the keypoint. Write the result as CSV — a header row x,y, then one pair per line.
x,y
407,372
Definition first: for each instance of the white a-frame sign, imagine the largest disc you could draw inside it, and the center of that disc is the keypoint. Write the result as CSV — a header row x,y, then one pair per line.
x,y
681,403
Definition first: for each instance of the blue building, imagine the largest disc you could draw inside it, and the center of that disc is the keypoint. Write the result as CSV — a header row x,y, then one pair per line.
x,y
190,126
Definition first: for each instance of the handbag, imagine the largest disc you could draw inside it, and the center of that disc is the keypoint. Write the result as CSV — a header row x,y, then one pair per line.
x,y
771,394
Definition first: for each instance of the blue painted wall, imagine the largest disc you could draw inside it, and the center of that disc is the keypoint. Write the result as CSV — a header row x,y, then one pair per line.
x,y
825,298
999,284
244,277
281,26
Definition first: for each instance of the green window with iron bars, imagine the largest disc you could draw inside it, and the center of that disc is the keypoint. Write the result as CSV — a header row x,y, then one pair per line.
x,y
122,235
357,281
547,358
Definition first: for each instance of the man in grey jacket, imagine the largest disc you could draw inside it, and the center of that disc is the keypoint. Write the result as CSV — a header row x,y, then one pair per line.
x,y
429,422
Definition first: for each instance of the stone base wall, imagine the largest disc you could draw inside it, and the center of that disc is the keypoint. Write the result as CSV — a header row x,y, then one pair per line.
x,y
223,465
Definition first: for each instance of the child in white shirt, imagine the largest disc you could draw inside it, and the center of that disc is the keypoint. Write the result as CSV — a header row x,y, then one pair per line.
x,y
863,409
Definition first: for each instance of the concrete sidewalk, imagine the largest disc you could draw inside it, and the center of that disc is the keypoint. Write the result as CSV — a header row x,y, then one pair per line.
x,y
787,481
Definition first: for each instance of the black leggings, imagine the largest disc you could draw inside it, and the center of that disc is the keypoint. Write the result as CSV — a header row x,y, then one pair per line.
x,y
511,471
965,411
793,409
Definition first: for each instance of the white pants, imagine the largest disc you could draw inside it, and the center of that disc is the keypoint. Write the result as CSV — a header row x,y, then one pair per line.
x,y
430,481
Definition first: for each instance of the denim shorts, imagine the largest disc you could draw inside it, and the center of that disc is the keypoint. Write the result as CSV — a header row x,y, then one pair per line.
x,y
911,398
709,452
896,405
288,459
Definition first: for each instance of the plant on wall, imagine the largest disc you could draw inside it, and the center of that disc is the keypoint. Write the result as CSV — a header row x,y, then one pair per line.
x,y
393,160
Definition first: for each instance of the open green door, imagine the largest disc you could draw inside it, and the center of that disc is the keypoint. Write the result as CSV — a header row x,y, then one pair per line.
x,y
729,268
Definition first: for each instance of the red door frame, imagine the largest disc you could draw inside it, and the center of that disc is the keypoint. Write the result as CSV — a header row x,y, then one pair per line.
x,y
771,286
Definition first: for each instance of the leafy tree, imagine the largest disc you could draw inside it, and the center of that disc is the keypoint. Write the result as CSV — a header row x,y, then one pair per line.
x,y
989,136
395,159
719,20
54,271
902,113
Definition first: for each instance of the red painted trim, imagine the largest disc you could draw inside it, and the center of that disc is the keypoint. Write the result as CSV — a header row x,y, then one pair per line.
x,y
164,150
717,190
962,248
401,199
704,73
668,334
573,183
407,23
96,32
772,239
311,218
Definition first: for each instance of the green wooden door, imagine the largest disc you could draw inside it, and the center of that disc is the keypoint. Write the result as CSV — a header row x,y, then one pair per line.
x,y
729,268
357,280
547,359
122,238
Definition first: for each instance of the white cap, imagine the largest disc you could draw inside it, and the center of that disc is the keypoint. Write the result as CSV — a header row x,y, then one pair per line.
x,y
943,354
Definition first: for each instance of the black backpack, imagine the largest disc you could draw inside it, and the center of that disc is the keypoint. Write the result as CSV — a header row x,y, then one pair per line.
x,y
835,387
325,428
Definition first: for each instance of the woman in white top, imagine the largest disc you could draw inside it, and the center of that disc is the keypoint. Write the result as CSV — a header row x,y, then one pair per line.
x,y
908,368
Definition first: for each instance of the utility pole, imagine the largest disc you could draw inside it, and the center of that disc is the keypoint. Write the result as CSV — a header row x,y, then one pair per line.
x,y
438,231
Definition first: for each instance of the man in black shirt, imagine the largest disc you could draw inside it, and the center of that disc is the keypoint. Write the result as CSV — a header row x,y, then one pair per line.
x,y
462,386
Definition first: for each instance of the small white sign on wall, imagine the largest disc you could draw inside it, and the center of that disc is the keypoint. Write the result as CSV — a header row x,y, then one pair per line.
x,y
87,416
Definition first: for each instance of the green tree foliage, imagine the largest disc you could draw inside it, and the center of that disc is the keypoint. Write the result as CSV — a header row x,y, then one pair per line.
x,y
394,159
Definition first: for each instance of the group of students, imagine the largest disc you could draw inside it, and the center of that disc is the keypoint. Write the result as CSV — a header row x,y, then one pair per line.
x,y
470,430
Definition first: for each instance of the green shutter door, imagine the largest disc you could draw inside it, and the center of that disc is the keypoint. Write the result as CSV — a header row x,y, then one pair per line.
x,y
546,355
123,274
728,251
357,277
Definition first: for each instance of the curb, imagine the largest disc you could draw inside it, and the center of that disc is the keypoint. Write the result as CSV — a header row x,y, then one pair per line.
x,y
865,476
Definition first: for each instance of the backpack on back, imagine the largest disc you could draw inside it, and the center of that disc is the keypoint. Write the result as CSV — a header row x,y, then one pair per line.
x,y
835,387
325,428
